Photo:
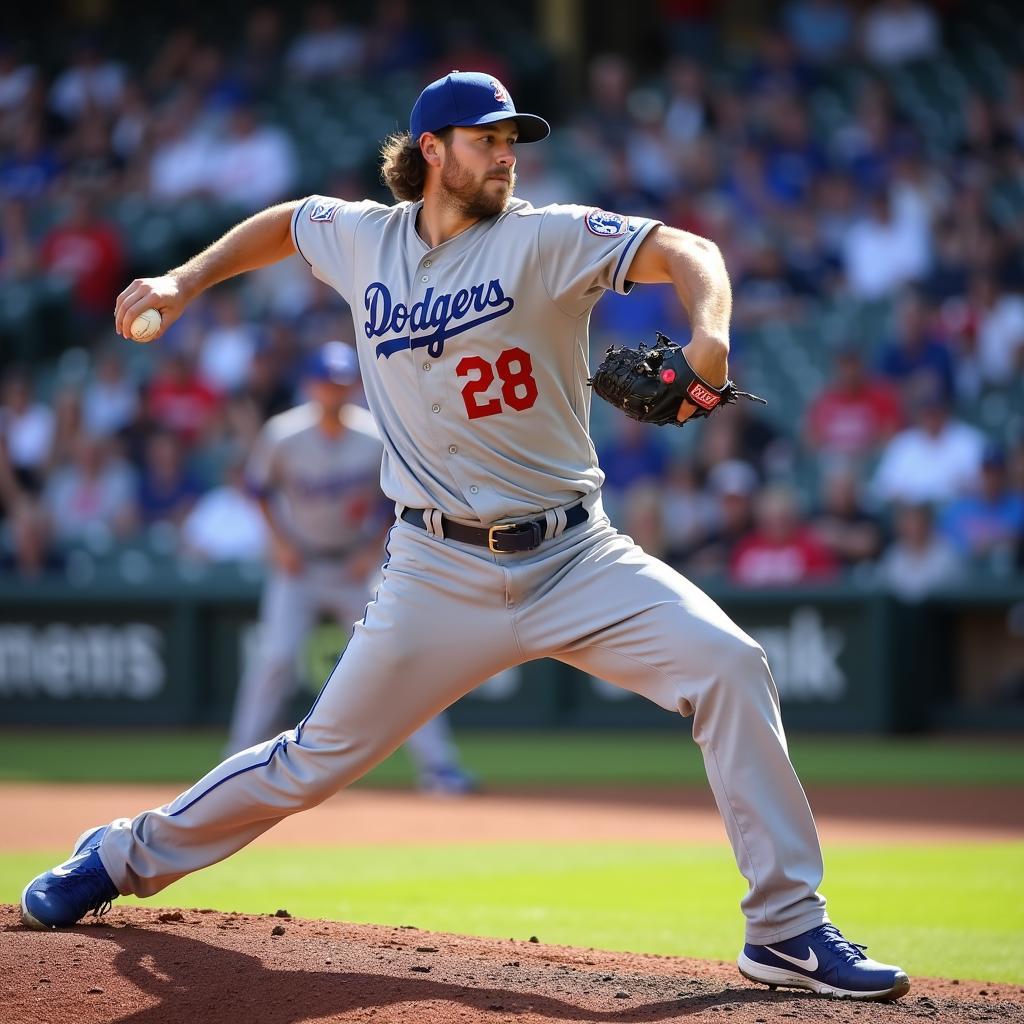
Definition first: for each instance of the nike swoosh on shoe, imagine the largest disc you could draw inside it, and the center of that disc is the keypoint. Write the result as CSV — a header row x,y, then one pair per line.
x,y
68,866
810,964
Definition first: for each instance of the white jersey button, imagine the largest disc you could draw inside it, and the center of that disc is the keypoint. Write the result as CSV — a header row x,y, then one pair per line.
x,y
452,449
435,408
426,263
474,489
424,278
426,366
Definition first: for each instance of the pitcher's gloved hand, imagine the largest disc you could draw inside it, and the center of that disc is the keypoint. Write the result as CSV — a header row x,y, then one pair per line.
x,y
650,384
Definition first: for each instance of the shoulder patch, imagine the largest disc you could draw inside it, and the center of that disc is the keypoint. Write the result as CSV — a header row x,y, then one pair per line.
x,y
600,222
324,212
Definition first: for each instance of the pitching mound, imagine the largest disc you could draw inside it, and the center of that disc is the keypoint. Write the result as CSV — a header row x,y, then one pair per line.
x,y
152,966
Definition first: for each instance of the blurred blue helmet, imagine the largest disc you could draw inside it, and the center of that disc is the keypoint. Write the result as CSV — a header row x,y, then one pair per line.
x,y
335,362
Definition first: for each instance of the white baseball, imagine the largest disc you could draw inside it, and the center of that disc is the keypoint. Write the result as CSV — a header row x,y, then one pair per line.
x,y
146,324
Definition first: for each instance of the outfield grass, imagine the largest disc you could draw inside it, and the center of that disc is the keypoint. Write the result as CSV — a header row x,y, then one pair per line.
x,y
955,910
503,759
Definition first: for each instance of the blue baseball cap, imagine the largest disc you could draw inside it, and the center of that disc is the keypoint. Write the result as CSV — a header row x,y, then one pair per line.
x,y
464,98
335,361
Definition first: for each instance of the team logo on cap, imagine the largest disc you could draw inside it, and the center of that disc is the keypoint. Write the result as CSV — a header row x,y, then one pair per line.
x,y
500,93
324,212
600,222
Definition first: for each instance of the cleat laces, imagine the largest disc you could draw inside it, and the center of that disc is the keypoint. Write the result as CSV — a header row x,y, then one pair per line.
x,y
851,952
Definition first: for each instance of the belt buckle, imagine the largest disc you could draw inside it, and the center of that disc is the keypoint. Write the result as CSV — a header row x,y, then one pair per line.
x,y
532,526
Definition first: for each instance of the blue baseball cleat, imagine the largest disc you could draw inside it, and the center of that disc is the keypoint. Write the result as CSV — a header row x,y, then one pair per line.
x,y
823,961
58,898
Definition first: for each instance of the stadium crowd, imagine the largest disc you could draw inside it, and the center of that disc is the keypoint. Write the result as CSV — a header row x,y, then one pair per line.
x,y
861,168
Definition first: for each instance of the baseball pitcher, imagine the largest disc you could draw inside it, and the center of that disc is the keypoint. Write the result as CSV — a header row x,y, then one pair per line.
x,y
471,311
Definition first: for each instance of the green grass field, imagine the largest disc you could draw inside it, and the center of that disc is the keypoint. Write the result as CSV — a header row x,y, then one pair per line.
x,y
518,759
950,910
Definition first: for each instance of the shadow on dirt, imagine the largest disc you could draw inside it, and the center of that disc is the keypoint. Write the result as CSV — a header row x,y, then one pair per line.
x,y
194,980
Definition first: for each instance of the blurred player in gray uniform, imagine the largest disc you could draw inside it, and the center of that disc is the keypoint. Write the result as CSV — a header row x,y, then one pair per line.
x,y
471,312
315,471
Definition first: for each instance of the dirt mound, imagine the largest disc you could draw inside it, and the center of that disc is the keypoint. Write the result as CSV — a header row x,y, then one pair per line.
x,y
155,966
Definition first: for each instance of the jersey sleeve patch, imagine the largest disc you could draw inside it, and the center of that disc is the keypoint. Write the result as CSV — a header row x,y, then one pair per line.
x,y
324,212
608,225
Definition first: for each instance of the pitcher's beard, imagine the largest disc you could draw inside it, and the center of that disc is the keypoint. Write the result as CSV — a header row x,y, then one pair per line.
x,y
471,198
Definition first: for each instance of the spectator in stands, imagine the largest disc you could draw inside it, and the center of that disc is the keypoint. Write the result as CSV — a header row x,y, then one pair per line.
x,y
67,425
327,47
90,84
177,398
16,78
131,128
835,210
258,61
765,290
688,112
394,42
110,400
30,169
737,433
821,30
774,69
91,166
950,265
226,523
732,484
793,159
88,251
856,413
91,497
167,488
812,267
227,349
18,259
916,358
899,31
688,511
30,553
919,560
999,329
842,524
268,384
935,460
884,250
252,165
230,438
606,112
26,431
180,158
781,550
987,526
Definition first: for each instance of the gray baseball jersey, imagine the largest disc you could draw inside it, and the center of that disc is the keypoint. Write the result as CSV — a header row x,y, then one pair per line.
x,y
324,489
474,354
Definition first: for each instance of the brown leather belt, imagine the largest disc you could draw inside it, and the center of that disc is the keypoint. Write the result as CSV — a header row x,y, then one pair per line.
x,y
504,538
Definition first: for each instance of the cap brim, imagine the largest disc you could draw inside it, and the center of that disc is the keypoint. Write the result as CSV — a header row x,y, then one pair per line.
x,y
531,127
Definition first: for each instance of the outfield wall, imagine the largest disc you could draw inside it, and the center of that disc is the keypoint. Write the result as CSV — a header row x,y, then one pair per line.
x,y
168,650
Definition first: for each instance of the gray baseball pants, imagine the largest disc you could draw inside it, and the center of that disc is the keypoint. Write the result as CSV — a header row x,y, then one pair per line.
x,y
446,617
288,610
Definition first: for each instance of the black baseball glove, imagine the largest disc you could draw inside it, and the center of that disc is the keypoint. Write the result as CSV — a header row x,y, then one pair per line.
x,y
650,384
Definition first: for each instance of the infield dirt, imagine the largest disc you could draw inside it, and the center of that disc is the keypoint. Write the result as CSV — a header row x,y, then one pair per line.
x,y
153,966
